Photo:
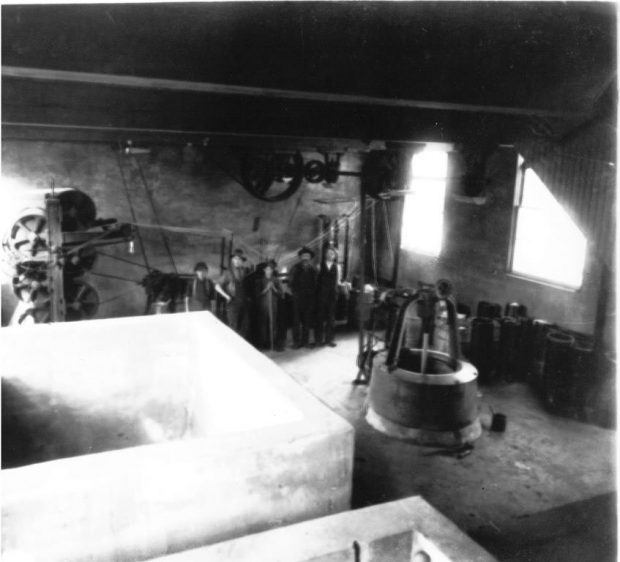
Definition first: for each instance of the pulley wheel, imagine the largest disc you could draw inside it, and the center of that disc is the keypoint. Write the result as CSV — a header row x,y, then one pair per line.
x,y
314,171
78,263
78,210
271,177
30,277
38,311
27,238
81,301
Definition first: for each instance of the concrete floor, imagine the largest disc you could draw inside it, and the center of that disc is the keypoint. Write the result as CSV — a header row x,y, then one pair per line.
x,y
542,491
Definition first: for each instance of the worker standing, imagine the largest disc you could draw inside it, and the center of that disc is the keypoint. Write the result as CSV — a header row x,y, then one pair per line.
x,y
200,291
328,281
231,285
268,292
303,278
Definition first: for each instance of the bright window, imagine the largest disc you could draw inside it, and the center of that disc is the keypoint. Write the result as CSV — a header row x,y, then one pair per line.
x,y
422,227
547,244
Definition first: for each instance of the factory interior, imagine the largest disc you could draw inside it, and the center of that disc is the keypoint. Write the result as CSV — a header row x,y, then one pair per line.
x,y
309,281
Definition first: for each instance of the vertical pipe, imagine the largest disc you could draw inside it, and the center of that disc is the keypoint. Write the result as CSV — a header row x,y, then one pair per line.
x,y
373,243
388,233
345,267
270,304
336,231
321,233
55,277
398,241
424,353
600,319
223,254
362,275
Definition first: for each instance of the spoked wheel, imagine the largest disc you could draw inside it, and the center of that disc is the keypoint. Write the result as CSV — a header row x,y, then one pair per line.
x,y
81,301
78,210
30,276
78,263
38,306
28,237
272,177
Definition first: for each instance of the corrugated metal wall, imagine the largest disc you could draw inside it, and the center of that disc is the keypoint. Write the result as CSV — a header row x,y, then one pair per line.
x,y
581,173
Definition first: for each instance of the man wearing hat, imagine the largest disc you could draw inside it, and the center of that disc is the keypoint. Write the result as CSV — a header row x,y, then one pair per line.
x,y
200,291
303,287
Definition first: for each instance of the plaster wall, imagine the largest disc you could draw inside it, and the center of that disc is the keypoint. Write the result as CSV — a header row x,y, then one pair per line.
x,y
475,255
192,189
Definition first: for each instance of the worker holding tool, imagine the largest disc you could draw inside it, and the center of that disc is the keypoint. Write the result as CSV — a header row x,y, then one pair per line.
x,y
268,293
231,286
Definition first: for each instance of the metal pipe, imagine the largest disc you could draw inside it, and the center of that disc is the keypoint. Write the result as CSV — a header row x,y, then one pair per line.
x,y
223,254
55,276
345,267
362,266
424,353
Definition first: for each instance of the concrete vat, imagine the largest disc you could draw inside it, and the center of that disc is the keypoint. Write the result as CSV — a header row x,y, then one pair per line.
x,y
137,437
407,530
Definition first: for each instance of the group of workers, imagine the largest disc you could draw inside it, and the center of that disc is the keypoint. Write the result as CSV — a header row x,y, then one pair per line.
x,y
261,304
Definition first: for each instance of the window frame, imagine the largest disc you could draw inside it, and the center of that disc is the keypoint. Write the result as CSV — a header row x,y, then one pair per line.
x,y
434,147
522,167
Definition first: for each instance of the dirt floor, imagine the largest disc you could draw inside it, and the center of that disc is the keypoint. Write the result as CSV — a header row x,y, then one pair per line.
x,y
542,491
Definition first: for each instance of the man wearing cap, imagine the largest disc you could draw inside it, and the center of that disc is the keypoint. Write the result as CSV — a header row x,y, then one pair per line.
x,y
303,287
232,287
200,291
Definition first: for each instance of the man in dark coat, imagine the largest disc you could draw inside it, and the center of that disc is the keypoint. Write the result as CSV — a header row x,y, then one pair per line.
x,y
200,291
232,286
328,281
303,277
267,295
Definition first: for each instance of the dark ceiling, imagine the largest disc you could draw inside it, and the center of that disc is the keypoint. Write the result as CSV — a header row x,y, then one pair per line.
x,y
460,66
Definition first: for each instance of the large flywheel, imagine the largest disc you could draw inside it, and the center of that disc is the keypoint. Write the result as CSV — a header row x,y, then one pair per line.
x,y
272,177
81,301
27,238
50,249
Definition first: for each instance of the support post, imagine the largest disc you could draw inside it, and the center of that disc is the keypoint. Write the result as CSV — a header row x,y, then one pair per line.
x,y
396,249
54,271
345,258
223,254
362,282
602,307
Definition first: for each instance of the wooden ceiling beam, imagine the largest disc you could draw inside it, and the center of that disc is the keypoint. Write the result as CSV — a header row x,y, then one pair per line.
x,y
45,74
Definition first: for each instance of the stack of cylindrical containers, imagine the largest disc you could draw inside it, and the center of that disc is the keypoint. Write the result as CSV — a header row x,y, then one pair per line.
x,y
558,363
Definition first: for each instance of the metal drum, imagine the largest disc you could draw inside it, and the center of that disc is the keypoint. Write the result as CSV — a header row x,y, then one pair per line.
x,y
482,348
558,369
439,407
421,393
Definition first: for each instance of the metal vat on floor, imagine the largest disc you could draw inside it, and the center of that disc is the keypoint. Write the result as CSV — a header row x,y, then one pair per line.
x,y
420,393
